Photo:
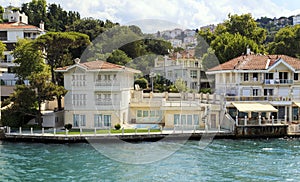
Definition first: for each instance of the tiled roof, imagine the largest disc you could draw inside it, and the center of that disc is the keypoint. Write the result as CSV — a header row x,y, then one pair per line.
x,y
256,62
18,25
98,65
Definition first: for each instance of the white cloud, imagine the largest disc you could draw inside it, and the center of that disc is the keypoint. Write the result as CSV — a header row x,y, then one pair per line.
x,y
188,13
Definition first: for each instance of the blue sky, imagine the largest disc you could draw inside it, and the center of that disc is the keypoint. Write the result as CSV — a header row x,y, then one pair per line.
x,y
188,13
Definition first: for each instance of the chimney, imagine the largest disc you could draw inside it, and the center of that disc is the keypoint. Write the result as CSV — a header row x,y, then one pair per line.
x,y
248,52
42,25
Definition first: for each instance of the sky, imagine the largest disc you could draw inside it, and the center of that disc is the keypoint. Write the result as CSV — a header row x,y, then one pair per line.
x,y
190,14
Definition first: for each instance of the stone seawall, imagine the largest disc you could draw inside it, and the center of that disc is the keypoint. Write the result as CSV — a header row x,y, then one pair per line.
x,y
111,138
266,131
2,134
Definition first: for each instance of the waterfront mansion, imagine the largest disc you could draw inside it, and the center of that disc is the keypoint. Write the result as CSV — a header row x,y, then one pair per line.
x,y
260,86
101,95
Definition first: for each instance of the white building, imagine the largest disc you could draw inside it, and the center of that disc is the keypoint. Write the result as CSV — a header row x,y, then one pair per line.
x,y
14,16
296,20
98,94
182,66
16,28
271,80
175,42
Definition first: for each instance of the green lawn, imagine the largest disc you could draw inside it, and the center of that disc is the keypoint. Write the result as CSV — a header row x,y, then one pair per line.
x,y
100,131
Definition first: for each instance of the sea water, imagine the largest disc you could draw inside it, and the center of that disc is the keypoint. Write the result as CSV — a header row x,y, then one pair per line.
x,y
220,160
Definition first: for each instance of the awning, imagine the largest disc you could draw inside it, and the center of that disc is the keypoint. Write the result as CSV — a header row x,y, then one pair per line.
x,y
254,107
297,103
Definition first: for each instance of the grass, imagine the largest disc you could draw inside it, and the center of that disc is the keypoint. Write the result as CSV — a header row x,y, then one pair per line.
x,y
103,131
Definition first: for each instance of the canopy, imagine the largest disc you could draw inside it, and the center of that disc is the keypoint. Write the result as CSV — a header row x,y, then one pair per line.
x,y
254,107
297,103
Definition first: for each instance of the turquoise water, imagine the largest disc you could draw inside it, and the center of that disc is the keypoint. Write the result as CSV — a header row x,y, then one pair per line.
x,y
222,160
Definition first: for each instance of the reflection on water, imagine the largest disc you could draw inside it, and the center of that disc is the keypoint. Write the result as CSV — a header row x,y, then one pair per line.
x,y
225,160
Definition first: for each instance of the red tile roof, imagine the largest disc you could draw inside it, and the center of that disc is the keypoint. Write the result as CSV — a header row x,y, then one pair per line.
x,y
18,25
98,65
256,62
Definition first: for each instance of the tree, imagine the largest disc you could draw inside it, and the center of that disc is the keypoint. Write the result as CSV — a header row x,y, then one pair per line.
x,y
56,47
180,85
55,18
209,59
2,49
45,89
23,108
158,46
142,82
1,14
287,41
232,38
89,26
228,46
118,57
29,59
246,26
36,11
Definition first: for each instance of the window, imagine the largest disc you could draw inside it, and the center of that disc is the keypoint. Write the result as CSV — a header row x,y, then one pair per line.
x,y
255,77
186,120
3,35
103,99
183,119
99,77
107,77
268,92
196,119
152,113
79,99
176,119
139,113
78,80
193,73
296,76
170,74
148,116
107,120
189,119
283,75
79,120
10,46
269,76
193,85
255,92
246,76
26,35
98,120
145,113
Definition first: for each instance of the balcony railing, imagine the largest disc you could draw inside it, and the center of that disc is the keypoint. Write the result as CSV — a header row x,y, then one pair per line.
x,y
259,98
107,83
103,102
278,81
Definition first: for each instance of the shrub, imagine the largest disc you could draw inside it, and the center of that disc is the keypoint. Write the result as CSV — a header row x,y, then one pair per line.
x,y
142,82
117,126
68,126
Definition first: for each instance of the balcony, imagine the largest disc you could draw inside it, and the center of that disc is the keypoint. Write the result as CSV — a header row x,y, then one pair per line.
x,y
107,85
258,98
278,81
104,102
